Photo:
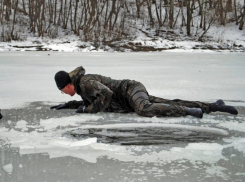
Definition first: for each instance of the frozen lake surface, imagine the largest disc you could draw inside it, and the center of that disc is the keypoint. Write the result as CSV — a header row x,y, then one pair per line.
x,y
39,144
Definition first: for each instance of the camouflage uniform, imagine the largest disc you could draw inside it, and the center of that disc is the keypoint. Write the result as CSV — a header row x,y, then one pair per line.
x,y
103,94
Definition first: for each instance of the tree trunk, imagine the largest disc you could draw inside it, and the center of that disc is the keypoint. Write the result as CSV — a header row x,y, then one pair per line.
x,y
55,12
8,5
1,12
65,15
183,16
242,19
201,12
12,32
188,26
210,4
149,4
161,11
24,6
75,17
177,18
205,16
171,14
229,6
138,8
60,13
235,12
158,17
221,12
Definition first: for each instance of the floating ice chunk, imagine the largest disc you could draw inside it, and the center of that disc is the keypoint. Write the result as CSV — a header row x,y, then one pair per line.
x,y
26,147
217,170
20,166
53,123
3,129
21,124
8,168
69,143
83,142
240,174
204,146
62,143
206,152
233,126
108,147
237,143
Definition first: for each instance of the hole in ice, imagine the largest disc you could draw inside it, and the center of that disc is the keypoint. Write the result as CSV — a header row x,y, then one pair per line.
x,y
148,134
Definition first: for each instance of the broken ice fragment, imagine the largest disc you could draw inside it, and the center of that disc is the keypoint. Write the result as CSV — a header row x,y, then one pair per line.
x,y
8,168
83,142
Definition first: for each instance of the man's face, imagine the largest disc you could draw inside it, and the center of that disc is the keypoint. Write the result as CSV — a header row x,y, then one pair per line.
x,y
69,89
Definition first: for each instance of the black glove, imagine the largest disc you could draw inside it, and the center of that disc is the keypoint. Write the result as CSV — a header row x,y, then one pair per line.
x,y
60,106
81,109
1,116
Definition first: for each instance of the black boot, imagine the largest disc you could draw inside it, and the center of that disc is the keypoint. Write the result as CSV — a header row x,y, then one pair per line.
x,y
220,106
196,112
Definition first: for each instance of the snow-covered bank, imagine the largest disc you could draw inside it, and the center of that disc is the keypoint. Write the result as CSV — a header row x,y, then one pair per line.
x,y
219,39
144,45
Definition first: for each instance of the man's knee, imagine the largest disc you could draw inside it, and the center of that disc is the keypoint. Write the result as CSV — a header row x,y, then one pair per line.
x,y
144,110
145,113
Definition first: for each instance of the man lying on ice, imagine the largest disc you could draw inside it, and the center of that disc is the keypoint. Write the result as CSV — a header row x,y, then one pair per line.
x,y
103,94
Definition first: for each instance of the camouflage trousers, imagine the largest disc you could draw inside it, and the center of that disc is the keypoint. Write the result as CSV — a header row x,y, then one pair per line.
x,y
149,106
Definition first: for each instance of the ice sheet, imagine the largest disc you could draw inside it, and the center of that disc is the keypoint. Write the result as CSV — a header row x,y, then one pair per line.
x,y
28,77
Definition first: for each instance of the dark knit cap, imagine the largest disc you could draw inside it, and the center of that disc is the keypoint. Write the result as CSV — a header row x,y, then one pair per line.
x,y
62,79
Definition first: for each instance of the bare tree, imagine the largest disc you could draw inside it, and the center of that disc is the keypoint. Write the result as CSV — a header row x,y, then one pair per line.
x,y
189,17
12,32
171,14
221,12
107,20
149,5
242,18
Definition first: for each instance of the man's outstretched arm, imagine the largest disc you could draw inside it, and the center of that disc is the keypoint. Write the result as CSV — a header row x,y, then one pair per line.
x,y
69,105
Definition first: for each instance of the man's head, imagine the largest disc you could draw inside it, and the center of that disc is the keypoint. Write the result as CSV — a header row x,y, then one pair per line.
x,y
63,82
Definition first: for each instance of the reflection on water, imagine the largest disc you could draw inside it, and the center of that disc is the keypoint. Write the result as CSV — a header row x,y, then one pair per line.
x,y
39,168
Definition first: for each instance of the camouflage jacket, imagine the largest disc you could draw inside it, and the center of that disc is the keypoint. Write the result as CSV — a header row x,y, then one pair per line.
x,y
100,93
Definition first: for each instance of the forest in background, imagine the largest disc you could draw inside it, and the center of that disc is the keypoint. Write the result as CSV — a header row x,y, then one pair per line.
x,y
111,20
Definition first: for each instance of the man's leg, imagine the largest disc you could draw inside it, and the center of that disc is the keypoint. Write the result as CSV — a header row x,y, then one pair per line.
x,y
190,104
219,105
139,101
